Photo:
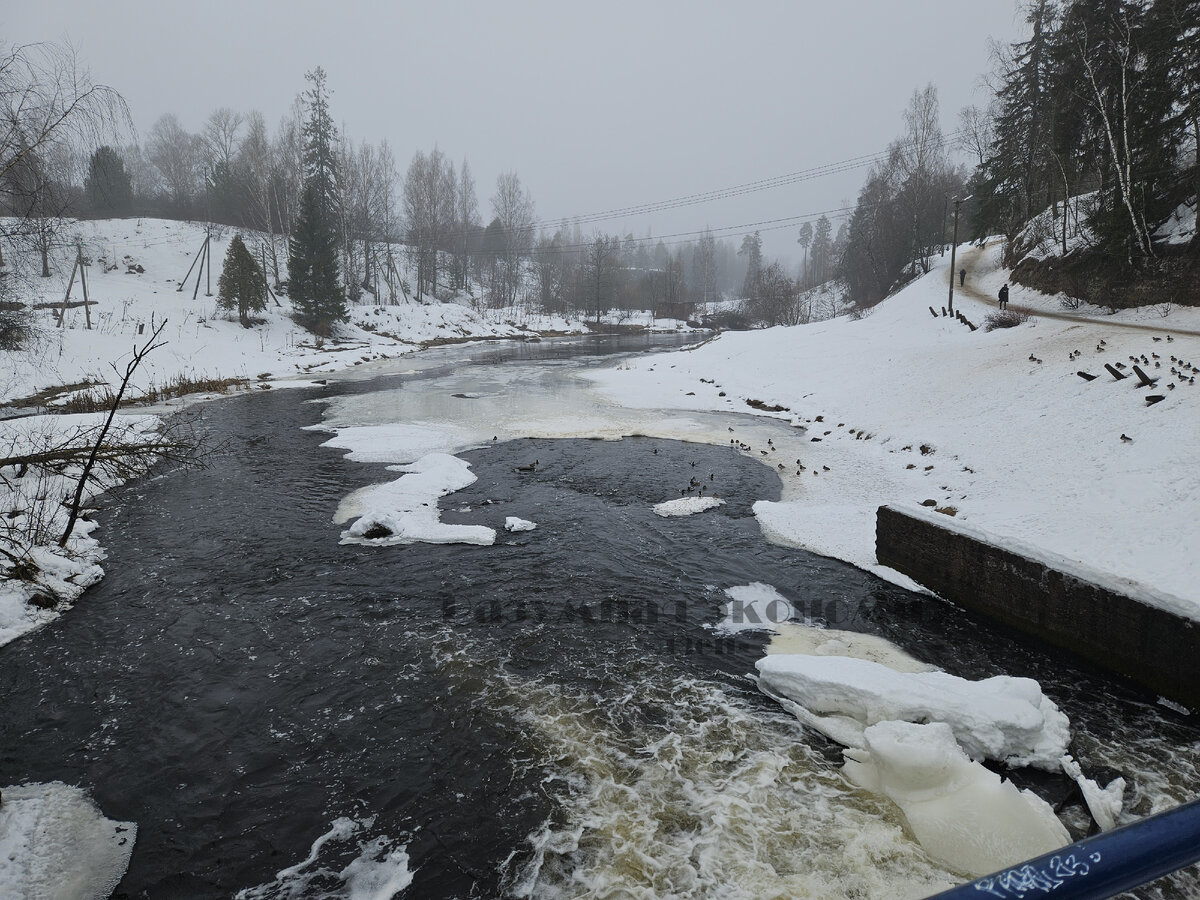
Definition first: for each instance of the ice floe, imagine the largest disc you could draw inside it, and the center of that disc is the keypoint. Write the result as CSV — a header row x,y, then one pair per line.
x,y
405,511
964,815
55,843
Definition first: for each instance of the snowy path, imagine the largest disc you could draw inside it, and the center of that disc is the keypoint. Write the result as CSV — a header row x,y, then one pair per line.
x,y
975,261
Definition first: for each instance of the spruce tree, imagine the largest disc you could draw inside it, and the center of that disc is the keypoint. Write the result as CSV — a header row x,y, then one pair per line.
x,y
242,284
107,185
314,281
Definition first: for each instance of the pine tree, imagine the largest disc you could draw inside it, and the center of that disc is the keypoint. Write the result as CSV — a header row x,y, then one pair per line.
x,y
242,285
752,249
822,251
107,184
314,280
1017,172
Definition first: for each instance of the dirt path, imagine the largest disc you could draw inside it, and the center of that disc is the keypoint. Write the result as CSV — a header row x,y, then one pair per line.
x,y
970,261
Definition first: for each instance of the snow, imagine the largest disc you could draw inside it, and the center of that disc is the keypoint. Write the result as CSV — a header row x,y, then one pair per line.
x,y
32,526
405,511
205,341
686,506
1105,804
965,816
1042,237
906,407
513,523
1001,718
55,843
814,640
1180,227
754,607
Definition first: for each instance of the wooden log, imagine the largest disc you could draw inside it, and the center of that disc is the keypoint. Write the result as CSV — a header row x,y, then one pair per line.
x,y
58,304
1151,399
1116,373
933,312
1086,376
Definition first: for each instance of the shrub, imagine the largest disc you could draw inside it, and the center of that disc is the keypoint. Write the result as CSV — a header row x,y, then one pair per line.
x,y
1006,318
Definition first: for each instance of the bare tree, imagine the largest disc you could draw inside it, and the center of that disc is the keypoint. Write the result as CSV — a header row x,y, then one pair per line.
x,y
466,223
47,97
805,239
599,269
514,210
50,111
175,153
221,138
430,193
976,132
1112,99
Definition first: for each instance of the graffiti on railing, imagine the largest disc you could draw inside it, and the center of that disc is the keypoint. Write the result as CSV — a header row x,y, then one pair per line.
x,y
1029,880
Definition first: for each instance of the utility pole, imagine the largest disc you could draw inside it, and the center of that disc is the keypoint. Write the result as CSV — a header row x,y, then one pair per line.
x,y
954,248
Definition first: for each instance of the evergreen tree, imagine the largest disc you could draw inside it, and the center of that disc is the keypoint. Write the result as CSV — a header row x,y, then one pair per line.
x,y
822,251
242,285
314,280
107,185
1013,177
752,249
804,240
314,284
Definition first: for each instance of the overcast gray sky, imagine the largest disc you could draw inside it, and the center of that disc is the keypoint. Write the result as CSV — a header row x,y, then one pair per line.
x,y
596,106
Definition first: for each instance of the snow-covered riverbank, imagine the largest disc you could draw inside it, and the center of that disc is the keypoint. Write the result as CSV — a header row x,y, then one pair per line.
x,y
135,281
906,408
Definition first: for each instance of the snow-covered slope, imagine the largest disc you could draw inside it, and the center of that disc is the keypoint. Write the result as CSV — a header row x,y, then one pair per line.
x,y
204,341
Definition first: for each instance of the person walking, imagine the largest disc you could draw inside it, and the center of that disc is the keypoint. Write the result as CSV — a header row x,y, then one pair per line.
x,y
962,277
1004,297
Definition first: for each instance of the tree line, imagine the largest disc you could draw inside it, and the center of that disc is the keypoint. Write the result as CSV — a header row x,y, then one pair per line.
x,y
1093,124
335,216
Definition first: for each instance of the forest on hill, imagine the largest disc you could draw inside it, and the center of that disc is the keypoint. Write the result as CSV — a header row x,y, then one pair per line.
x,y
1086,149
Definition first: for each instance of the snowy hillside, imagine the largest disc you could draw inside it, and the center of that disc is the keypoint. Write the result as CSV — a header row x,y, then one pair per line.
x,y
136,269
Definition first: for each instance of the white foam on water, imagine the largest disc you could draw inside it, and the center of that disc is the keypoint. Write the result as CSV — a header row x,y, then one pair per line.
x,y
379,871
679,788
55,844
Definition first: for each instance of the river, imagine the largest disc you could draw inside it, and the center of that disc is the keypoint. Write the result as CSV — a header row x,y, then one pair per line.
x,y
287,716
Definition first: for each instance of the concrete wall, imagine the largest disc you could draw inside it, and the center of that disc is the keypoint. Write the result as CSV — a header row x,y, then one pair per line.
x,y
1060,605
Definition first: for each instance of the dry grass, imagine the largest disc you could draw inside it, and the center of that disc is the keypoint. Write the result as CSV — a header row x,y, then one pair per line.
x,y
1005,318
86,401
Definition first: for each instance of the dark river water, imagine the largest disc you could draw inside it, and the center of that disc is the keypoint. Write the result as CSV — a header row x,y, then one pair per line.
x,y
548,716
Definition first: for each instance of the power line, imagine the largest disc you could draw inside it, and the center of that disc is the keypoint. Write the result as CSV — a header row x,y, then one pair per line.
x,y
762,184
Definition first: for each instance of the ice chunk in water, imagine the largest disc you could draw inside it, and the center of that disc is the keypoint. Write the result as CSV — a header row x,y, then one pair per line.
x,y
55,842
1001,718
964,815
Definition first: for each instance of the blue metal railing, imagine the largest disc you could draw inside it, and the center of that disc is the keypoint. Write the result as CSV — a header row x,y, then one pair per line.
x,y
1101,866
